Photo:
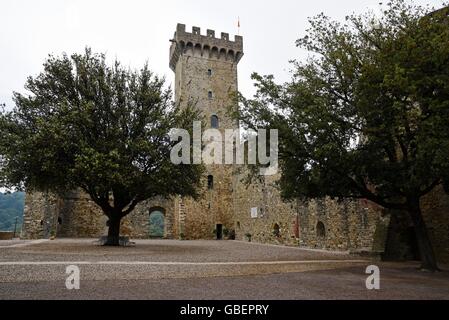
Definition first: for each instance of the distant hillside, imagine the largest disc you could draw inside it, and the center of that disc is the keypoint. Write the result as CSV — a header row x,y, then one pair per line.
x,y
11,206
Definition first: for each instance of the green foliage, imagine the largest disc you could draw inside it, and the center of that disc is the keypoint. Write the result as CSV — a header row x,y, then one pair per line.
x,y
11,207
100,128
229,234
367,115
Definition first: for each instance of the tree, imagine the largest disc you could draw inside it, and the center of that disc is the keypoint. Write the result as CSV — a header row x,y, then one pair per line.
x,y
366,116
102,129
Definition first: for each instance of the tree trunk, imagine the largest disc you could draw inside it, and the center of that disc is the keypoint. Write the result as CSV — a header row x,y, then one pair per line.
x,y
426,252
113,232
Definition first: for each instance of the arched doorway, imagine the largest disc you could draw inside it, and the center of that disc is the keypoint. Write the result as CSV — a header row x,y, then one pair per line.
x,y
320,231
157,223
320,235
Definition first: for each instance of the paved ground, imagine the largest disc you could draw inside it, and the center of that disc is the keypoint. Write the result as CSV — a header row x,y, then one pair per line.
x,y
203,270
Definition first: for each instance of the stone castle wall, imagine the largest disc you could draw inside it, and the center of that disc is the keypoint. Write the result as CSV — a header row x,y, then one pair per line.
x,y
348,225
76,216
40,215
345,225
435,208
260,212
79,217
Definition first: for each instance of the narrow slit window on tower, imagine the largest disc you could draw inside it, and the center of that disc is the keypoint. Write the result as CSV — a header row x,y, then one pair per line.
x,y
210,182
214,123
209,72
209,94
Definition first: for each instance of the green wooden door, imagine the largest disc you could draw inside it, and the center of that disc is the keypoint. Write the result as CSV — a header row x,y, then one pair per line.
x,y
157,224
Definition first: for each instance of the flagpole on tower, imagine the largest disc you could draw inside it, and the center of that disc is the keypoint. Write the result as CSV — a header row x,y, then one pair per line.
x,y
238,26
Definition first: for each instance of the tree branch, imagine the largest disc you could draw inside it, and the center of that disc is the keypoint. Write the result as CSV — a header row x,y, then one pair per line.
x,y
431,187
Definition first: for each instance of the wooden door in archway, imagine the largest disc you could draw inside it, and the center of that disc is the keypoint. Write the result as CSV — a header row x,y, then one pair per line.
x,y
157,224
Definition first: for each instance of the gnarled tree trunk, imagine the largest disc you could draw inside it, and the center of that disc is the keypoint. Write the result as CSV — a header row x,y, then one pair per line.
x,y
426,252
114,231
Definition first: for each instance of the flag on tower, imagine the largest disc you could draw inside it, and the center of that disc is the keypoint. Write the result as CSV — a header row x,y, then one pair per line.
x,y
238,25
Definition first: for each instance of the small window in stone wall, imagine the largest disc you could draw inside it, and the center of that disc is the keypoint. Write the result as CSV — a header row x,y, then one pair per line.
x,y
210,182
209,72
364,219
276,230
214,123
210,95
320,230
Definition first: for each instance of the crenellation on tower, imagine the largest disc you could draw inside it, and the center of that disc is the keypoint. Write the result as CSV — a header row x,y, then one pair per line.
x,y
196,30
208,45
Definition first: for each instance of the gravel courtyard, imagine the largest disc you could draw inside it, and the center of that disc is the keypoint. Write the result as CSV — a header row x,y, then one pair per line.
x,y
233,270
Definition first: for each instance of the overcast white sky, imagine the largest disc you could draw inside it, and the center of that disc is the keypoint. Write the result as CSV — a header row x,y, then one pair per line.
x,y
137,31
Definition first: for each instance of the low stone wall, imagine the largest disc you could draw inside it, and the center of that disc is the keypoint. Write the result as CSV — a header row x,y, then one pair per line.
x,y
76,216
260,212
339,225
256,210
356,226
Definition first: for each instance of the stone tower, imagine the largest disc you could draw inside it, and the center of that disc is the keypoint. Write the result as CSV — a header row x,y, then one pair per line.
x,y
205,70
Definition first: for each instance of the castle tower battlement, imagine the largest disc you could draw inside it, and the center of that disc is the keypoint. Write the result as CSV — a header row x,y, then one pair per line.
x,y
206,46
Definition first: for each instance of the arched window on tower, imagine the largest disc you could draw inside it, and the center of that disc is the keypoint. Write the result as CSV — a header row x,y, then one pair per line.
x,y
214,123
210,182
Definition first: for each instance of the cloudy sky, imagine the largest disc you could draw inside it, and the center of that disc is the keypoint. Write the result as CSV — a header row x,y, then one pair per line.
x,y
136,31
